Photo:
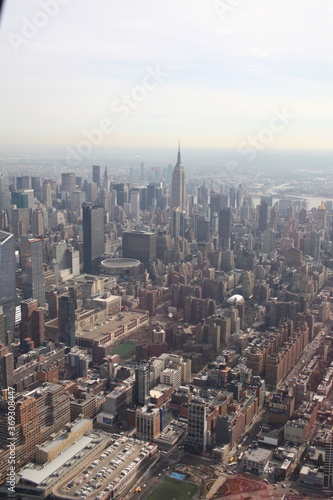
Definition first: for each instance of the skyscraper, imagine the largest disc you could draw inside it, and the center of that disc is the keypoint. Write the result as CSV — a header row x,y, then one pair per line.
x,y
5,197
262,216
312,242
47,194
20,199
96,175
142,384
68,183
66,320
32,324
139,245
33,283
224,228
37,222
328,466
178,221
135,205
7,278
93,237
106,185
197,438
6,367
178,195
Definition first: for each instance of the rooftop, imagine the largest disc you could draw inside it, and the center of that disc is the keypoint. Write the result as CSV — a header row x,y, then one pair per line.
x,y
258,455
4,236
38,474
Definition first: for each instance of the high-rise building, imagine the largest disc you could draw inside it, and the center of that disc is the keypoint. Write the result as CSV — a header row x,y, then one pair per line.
x,y
151,194
7,278
139,245
79,361
96,175
142,384
5,197
312,242
197,437
23,182
262,216
4,220
93,237
135,204
177,223
68,183
328,465
37,222
59,254
224,228
268,241
148,423
6,367
92,192
106,185
203,195
33,283
47,194
20,199
143,198
232,196
36,184
178,193
321,216
122,193
66,320
32,324
20,222
202,228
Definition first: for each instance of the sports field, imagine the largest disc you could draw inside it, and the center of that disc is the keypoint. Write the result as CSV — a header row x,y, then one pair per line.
x,y
125,350
171,489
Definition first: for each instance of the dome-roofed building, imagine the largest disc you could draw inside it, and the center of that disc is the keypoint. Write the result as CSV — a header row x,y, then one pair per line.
x,y
235,299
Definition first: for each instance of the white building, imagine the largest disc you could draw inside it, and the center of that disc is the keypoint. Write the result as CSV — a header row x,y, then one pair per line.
x,y
171,376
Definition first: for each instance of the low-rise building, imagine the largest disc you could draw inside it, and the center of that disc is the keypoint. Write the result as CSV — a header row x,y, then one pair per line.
x,y
295,431
256,460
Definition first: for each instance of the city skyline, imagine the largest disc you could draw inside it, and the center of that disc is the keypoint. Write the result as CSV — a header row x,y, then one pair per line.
x,y
166,249
213,72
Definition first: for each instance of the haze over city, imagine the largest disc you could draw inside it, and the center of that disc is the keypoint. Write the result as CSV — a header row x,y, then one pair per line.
x,y
223,69
166,250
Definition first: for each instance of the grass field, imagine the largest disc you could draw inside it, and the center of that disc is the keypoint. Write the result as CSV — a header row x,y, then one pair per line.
x,y
171,489
125,350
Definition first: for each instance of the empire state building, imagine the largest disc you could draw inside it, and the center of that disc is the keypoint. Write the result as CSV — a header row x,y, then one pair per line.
x,y
178,196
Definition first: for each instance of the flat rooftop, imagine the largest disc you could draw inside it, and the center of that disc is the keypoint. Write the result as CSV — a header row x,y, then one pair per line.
x,y
62,437
38,474
110,325
258,455
114,463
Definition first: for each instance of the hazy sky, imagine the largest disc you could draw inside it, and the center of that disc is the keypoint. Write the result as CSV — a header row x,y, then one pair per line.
x,y
211,72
